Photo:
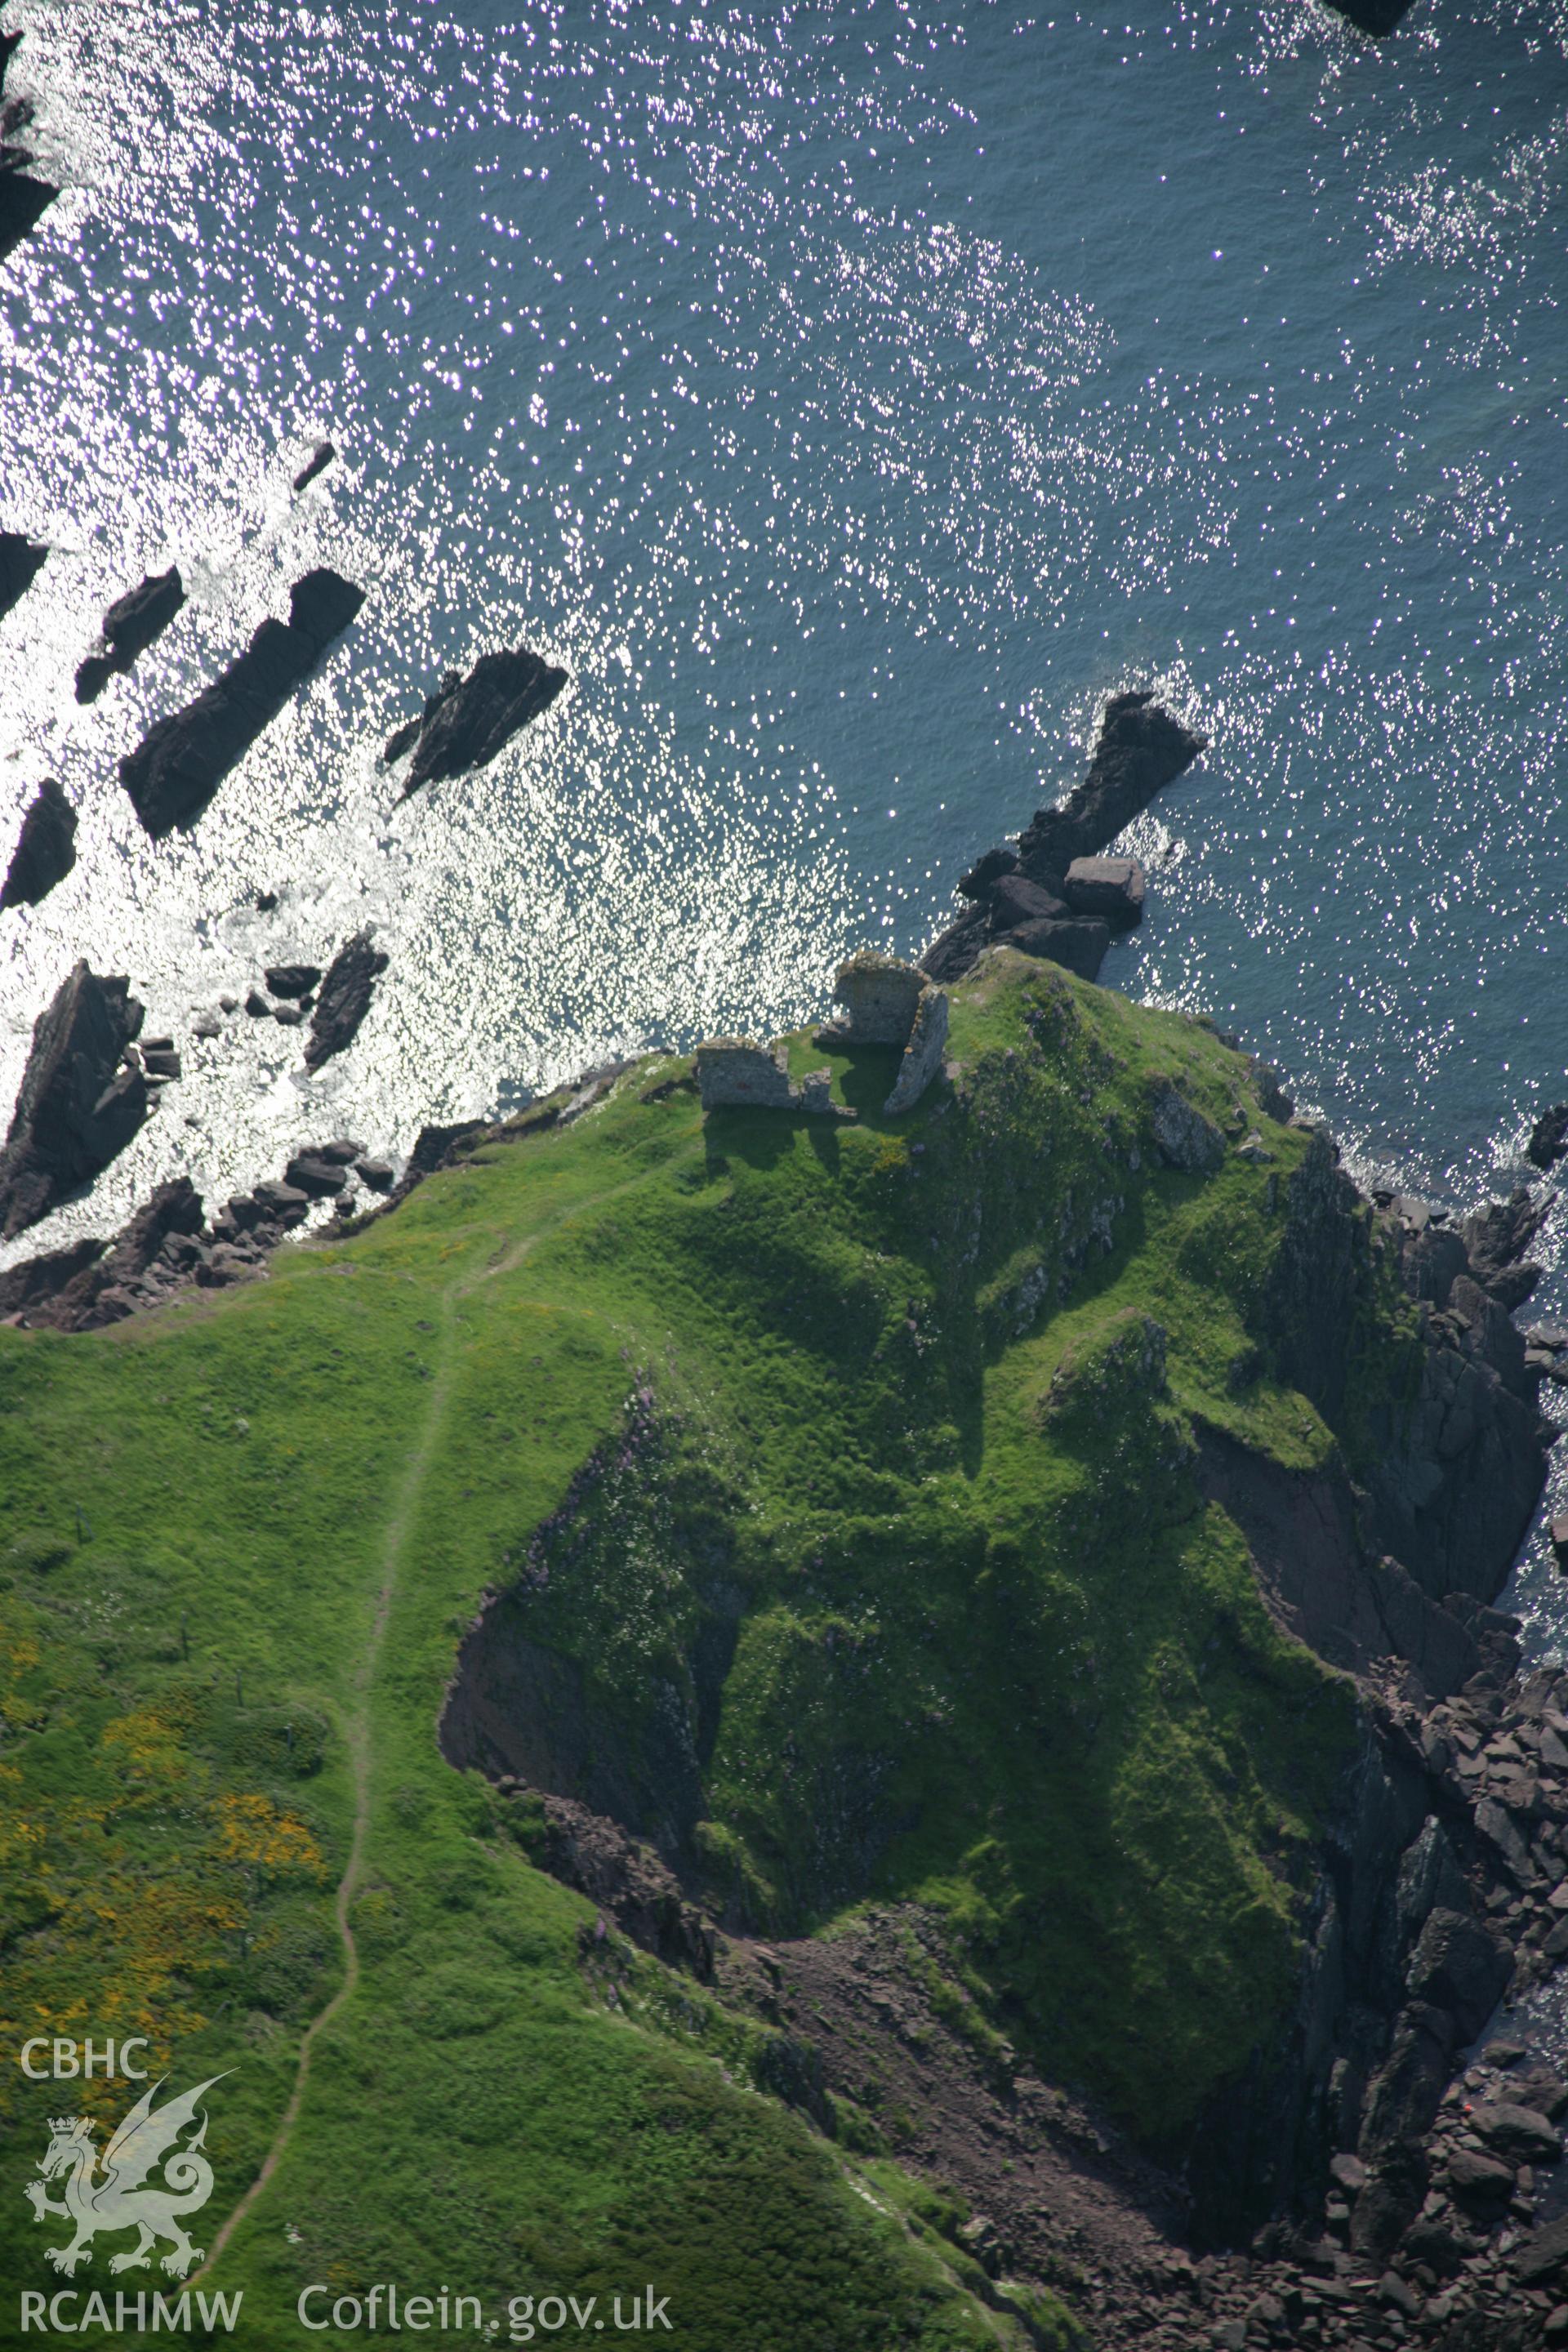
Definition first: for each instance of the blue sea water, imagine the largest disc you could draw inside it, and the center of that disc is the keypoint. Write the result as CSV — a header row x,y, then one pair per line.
x,y
851,395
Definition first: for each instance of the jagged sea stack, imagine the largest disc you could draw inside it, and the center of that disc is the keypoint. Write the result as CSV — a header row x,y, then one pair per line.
x,y
45,848
77,1107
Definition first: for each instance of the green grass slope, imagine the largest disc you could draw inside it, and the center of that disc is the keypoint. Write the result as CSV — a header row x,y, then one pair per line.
x,y
859,1453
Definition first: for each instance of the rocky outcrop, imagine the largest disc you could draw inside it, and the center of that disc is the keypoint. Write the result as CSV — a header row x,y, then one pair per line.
x,y
1549,1137
131,624
343,999
1141,748
316,464
1461,1461
469,719
1495,1240
168,1247
21,558
1322,1581
1452,1831
45,848
294,981
1054,895
957,950
1184,1136
1378,18
1112,886
623,1878
179,765
79,1104
1014,900
22,199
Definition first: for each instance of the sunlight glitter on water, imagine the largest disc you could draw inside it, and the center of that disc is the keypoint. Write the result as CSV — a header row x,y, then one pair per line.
x,y
848,398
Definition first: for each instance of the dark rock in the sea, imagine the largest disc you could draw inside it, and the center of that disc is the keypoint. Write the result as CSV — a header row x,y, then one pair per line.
x,y
1112,886
321,606
179,765
319,1178
1141,748
160,1062
344,998
403,738
1549,1137
1378,18
45,848
287,1204
130,626
266,902
468,720
1080,946
23,199
342,1151
986,871
291,1016
319,458
292,978
77,1107
256,1004
375,1173
21,558
1015,901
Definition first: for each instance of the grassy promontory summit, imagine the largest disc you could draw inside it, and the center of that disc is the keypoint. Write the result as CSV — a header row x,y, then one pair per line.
x,y
827,1501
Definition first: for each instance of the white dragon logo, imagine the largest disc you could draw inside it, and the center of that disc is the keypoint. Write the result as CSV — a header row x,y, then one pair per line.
x,y
118,2201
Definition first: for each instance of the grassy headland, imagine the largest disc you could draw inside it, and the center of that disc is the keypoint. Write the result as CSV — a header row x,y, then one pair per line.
x,y
854,1461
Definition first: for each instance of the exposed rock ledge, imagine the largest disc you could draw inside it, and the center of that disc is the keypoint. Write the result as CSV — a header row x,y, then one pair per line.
x,y
45,848
1054,895
468,720
131,624
80,1102
175,769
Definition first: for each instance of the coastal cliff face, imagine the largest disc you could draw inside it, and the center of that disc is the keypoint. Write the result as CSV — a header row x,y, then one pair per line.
x,y
1385,1562
1373,1469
